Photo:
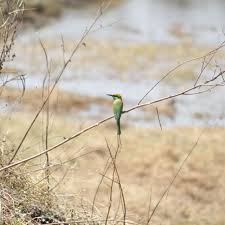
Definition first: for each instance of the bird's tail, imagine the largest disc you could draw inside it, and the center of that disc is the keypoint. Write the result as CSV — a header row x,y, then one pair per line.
x,y
118,127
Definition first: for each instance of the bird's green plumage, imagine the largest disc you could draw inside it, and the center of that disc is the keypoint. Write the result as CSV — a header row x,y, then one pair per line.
x,y
117,109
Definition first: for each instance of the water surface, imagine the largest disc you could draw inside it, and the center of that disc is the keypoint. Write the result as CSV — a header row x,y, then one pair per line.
x,y
132,21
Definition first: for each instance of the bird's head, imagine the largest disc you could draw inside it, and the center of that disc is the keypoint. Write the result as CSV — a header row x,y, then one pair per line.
x,y
115,96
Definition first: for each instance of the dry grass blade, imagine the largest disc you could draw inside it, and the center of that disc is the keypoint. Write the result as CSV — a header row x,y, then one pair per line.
x,y
110,196
103,175
157,112
47,110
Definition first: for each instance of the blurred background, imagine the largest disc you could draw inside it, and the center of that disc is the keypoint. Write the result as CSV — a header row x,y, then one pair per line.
x,y
131,47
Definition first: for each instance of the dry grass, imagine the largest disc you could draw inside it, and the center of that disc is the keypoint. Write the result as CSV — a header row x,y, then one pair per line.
x,y
123,56
149,158
61,101
68,102
127,62
152,161
22,200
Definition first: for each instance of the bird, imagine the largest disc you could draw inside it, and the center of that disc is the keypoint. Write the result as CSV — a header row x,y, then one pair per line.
x,y
117,109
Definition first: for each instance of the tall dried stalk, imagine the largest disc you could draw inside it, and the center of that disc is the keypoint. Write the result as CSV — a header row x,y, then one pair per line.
x,y
46,88
11,12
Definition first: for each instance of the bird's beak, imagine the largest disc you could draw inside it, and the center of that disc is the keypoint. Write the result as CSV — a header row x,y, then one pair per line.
x,y
109,95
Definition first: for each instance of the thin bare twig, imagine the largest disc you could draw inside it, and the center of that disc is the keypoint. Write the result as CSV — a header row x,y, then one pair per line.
x,y
110,195
118,178
149,205
157,112
106,168
178,66
47,77
166,191
85,34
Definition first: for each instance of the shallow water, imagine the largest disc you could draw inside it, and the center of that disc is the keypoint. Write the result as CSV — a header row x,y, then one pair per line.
x,y
146,20
136,21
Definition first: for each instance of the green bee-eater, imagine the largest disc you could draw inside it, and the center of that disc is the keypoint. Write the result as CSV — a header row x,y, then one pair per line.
x,y
117,109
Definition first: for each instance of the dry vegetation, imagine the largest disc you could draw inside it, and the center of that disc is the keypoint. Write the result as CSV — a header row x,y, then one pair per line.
x,y
67,102
127,61
59,186
23,202
151,163
196,197
61,101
